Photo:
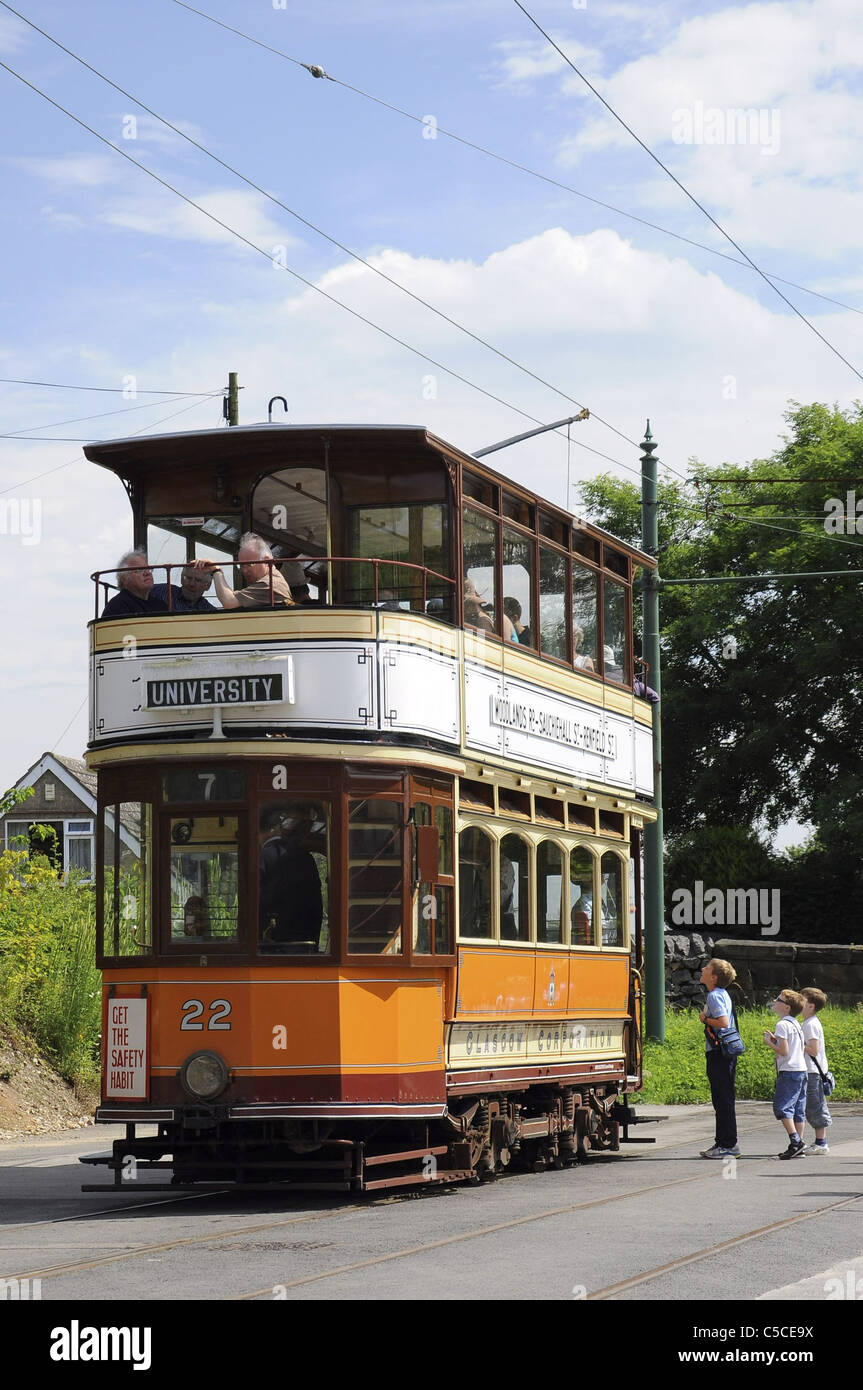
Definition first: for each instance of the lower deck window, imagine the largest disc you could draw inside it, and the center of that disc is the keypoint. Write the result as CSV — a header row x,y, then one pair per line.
x,y
613,900
293,879
375,877
205,878
474,883
127,919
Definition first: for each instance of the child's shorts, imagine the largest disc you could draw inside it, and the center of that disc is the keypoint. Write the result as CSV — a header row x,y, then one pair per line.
x,y
816,1105
789,1098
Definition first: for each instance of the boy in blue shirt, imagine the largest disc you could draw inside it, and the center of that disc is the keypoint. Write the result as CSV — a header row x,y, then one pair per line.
x,y
786,1043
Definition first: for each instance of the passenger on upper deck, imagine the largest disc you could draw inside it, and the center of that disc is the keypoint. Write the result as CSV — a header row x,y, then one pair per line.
x,y
474,612
512,609
251,557
188,596
136,596
585,663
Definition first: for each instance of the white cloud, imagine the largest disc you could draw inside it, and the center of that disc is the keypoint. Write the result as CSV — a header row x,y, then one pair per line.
x,y
163,214
74,170
525,61
797,63
13,35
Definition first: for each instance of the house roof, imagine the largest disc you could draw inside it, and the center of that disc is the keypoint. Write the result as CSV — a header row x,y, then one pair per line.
x,y
78,779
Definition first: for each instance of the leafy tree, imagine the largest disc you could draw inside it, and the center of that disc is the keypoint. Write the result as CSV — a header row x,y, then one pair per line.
x,y
765,726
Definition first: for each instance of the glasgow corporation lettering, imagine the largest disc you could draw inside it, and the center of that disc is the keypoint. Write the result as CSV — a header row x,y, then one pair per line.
x,y
214,690
561,728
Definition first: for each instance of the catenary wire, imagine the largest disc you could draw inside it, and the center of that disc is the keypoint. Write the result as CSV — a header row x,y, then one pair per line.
x,y
114,390
691,196
302,279
250,183
25,482
77,419
318,71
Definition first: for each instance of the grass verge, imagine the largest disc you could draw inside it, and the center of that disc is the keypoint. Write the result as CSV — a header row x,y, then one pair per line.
x,y
674,1071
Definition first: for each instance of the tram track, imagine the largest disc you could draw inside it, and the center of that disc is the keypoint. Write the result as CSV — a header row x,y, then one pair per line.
x,y
610,1291
78,1266
60,1270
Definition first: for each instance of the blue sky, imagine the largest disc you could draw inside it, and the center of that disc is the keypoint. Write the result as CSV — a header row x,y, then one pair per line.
x,y
108,276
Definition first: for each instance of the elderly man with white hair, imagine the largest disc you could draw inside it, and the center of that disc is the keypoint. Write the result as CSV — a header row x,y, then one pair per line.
x,y
256,593
135,579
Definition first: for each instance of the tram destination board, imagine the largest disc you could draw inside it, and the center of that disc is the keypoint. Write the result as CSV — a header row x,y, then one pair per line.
x,y
214,690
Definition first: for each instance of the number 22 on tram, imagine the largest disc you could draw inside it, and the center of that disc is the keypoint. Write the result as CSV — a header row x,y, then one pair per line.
x,y
367,861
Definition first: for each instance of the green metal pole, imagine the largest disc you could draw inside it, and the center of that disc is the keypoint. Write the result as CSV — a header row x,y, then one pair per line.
x,y
654,941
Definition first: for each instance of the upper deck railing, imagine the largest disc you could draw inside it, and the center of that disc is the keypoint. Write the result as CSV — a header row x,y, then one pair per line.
x,y
332,576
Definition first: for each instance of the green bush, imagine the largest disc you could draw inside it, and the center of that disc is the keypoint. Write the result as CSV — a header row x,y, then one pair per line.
x,y
49,984
674,1071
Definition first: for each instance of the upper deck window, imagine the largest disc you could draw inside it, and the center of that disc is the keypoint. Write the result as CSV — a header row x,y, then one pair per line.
x,y
517,509
615,632
480,490
289,509
585,545
406,540
518,556
553,621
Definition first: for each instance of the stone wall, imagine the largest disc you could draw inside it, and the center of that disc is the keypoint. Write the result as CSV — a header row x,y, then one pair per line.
x,y
686,954
763,968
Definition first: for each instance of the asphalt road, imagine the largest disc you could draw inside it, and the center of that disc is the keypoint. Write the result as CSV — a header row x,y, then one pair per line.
x,y
655,1222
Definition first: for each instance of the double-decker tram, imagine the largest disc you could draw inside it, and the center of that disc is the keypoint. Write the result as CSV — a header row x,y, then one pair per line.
x,y
367,854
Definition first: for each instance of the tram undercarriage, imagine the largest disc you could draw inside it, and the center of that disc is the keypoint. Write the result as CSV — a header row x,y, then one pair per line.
x,y
476,1141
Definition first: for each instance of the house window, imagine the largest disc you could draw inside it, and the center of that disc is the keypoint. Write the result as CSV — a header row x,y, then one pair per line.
x,y
78,856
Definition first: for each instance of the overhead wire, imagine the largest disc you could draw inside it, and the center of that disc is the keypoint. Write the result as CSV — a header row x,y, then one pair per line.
x,y
25,482
77,419
114,390
296,274
691,196
319,231
317,71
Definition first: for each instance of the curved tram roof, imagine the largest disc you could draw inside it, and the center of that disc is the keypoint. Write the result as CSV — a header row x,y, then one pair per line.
x,y
131,457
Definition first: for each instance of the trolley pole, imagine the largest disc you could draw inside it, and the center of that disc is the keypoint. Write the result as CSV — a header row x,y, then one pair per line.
x,y
654,891
233,400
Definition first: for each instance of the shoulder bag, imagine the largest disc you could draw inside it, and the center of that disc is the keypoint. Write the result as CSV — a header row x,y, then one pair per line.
x,y
827,1078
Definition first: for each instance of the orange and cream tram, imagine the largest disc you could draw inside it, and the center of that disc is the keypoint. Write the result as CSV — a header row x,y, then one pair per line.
x,y
368,863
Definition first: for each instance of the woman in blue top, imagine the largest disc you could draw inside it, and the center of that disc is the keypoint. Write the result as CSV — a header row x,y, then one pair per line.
x,y
716,976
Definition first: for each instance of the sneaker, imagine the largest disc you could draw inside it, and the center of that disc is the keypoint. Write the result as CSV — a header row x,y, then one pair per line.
x,y
793,1150
818,1149
718,1152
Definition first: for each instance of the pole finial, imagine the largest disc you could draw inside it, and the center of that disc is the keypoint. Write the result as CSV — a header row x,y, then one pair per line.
x,y
648,443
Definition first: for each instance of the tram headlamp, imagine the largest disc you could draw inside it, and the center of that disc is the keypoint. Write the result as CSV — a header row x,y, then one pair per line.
x,y
204,1075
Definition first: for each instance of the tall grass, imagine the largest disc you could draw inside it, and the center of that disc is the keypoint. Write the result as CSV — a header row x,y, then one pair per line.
x,y
49,984
674,1071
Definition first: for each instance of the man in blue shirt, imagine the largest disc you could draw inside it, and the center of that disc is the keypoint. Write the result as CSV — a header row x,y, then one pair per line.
x,y
188,597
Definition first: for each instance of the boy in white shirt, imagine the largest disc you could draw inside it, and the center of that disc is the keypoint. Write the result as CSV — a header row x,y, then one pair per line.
x,y
813,1046
789,1096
